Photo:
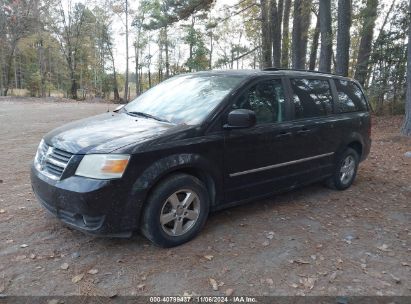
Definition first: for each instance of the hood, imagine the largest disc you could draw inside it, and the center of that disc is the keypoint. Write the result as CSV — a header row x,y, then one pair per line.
x,y
106,132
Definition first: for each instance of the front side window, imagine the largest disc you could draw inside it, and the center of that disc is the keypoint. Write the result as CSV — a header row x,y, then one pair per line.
x,y
185,99
311,97
350,97
266,99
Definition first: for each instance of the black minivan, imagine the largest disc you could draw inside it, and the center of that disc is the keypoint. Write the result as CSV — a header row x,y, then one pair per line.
x,y
200,142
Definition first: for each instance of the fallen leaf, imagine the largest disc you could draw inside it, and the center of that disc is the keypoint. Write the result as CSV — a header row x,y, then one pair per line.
x,y
213,283
24,245
209,257
405,264
141,286
229,292
266,243
383,247
332,277
299,261
32,256
64,266
2,211
92,271
269,281
308,283
270,235
396,279
77,278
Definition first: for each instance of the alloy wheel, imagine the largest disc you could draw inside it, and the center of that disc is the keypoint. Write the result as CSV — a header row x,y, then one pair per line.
x,y
180,212
347,169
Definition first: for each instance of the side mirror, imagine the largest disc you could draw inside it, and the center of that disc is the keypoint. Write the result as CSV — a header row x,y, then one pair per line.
x,y
119,108
240,118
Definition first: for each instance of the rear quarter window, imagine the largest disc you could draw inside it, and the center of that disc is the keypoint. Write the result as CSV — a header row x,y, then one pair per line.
x,y
350,97
311,97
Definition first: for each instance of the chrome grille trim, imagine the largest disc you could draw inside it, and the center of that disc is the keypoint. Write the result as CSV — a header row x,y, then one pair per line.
x,y
51,161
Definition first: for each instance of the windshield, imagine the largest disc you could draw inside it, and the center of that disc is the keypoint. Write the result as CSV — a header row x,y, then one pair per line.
x,y
184,99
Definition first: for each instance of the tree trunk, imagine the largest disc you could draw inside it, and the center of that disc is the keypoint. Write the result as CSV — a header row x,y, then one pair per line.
x,y
126,78
276,21
314,45
301,24
115,86
73,89
326,36
166,50
265,36
9,69
343,37
286,35
1,70
137,52
406,127
370,14
210,60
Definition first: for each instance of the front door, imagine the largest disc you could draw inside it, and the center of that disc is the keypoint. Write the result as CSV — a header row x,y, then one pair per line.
x,y
254,156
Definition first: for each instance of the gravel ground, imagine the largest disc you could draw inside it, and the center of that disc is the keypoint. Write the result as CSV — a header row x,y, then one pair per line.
x,y
311,241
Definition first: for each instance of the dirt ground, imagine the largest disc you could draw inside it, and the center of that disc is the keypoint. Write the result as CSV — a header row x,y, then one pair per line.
x,y
312,241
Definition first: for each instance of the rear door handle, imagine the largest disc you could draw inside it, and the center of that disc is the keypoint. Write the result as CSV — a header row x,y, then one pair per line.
x,y
303,131
284,134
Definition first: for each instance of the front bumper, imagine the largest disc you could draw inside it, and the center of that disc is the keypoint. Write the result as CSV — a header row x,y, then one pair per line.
x,y
99,207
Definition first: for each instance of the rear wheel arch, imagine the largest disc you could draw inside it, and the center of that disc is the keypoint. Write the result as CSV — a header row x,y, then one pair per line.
x,y
357,146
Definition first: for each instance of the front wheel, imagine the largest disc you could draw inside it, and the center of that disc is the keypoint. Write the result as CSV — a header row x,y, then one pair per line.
x,y
175,211
345,170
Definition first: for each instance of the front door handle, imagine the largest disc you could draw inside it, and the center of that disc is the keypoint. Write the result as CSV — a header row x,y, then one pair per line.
x,y
284,134
303,131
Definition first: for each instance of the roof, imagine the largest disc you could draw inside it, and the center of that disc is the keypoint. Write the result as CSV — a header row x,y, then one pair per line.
x,y
271,71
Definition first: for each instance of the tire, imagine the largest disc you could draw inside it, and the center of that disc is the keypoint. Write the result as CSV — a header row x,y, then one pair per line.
x,y
345,170
166,221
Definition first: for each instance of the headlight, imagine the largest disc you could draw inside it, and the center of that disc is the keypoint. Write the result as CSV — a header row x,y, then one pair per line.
x,y
41,151
103,166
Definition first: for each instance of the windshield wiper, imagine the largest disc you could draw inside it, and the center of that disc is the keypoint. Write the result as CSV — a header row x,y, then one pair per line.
x,y
142,114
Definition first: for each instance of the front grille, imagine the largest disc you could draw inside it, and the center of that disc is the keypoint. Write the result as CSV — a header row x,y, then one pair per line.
x,y
52,161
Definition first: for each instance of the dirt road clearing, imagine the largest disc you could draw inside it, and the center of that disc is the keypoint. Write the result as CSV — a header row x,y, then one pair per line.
x,y
311,241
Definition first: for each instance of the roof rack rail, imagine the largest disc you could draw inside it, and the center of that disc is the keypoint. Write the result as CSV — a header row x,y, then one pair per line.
x,y
297,70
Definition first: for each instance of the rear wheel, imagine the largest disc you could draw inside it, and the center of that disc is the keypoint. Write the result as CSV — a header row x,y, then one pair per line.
x,y
345,170
176,211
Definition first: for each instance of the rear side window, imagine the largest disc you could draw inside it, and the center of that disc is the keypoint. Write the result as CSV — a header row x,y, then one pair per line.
x,y
350,97
311,97
266,99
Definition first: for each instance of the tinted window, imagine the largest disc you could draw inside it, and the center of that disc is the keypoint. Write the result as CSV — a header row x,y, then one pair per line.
x,y
311,97
266,99
185,99
350,97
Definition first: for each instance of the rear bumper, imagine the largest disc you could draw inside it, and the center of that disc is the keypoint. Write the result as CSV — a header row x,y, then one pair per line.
x,y
99,207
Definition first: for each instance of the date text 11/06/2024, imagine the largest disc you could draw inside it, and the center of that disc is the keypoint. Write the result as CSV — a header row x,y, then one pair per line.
x,y
203,299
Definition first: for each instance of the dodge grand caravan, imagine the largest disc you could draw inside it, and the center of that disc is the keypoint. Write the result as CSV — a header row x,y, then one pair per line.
x,y
200,142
